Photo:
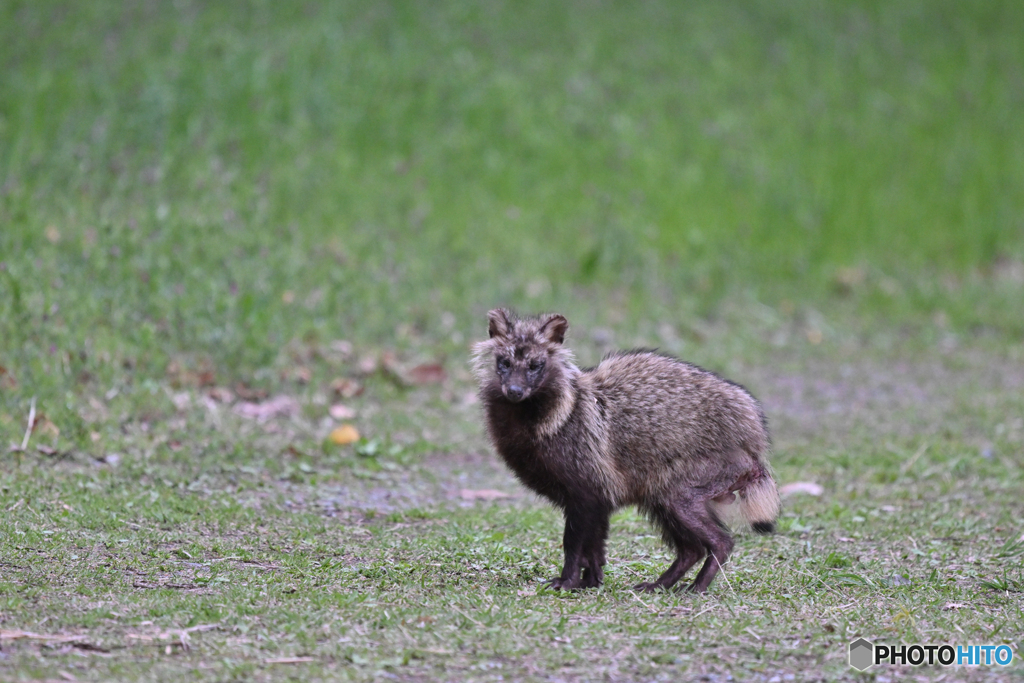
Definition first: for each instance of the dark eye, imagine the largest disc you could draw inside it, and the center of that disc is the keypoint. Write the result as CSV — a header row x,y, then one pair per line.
x,y
504,363
536,365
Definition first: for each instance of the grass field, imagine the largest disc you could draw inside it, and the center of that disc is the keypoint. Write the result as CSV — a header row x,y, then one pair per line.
x,y
208,210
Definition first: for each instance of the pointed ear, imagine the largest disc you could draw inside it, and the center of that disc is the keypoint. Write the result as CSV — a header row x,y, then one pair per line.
x,y
554,328
500,323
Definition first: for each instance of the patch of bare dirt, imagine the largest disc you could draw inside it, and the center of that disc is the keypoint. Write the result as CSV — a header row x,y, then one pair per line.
x,y
900,399
829,404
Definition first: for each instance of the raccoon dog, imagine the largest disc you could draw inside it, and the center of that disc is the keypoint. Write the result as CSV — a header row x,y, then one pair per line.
x,y
640,429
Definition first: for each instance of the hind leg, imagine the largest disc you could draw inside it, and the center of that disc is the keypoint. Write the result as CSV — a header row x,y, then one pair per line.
x,y
676,571
694,506
689,549
714,537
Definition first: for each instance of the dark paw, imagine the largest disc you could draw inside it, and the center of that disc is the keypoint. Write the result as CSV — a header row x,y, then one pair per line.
x,y
649,587
591,579
560,584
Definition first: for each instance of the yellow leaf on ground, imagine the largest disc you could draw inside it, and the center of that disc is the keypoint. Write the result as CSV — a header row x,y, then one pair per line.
x,y
345,434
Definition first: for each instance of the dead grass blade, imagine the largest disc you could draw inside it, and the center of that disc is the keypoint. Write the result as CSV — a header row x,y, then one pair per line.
x,y
290,660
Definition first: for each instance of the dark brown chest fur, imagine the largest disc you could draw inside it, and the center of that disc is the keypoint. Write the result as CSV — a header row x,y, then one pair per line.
x,y
555,466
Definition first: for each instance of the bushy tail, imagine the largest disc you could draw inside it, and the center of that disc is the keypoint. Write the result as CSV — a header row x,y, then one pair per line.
x,y
760,504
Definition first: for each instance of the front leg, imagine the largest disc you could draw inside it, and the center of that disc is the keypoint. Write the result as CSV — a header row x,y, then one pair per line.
x,y
572,543
585,532
593,554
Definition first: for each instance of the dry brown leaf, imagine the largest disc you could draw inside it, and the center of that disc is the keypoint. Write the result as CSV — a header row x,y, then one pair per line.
x,y
7,380
346,388
44,427
247,393
343,435
221,394
52,234
181,376
427,373
848,279
342,347
808,487
181,400
261,412
299,373
368,365
389,362
341,412
482,494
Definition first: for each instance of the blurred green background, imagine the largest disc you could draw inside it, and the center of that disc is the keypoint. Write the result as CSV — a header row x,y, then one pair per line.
x,y
212,180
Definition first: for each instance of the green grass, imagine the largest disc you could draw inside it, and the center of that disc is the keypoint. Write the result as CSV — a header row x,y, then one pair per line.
x,y
196,163
257,553
822,201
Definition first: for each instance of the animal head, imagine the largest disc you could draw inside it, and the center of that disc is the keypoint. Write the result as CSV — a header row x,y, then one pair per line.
x,y
523,355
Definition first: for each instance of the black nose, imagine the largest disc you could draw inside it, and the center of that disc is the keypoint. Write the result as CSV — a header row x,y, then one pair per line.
x,y
514,393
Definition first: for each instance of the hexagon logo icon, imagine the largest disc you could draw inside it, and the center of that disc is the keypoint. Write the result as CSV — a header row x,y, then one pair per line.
x,y
861,652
